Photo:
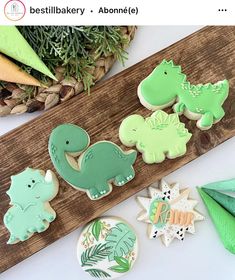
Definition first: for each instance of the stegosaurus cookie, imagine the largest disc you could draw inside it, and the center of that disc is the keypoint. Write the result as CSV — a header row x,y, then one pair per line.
x,y
169,212
156,137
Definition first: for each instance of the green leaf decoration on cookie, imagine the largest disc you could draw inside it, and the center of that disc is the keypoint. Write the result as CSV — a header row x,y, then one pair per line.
x,y
156,137
123,265
94,254
120,240
167,83
96,229
98,273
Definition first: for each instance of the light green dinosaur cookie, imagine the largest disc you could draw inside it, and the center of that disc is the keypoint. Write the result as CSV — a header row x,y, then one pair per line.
x,y
98,166
30,193
156,137
167,84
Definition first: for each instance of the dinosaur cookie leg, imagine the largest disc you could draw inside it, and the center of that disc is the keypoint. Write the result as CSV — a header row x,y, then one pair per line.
x,y
48,216
219,114
179,107
151,157
176,151
206,121
123,178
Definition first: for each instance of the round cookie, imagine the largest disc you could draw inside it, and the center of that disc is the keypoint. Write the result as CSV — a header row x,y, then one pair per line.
x,y
30,193
98,166
167,85
156,137
168,212
107,248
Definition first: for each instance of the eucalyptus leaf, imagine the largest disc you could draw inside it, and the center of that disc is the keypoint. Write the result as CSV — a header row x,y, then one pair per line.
x,y
96,229
122,262
119,269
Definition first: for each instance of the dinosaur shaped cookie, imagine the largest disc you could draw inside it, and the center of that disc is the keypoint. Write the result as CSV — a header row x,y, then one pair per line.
x,y
30,193
167,85
156,137
98,165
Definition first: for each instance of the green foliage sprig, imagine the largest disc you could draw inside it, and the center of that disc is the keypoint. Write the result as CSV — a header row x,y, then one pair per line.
x,y
76,48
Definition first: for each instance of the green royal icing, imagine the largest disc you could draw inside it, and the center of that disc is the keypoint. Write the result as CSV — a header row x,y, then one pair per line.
x,y
167,83
30,192
226,201
156,137
99,164
223,221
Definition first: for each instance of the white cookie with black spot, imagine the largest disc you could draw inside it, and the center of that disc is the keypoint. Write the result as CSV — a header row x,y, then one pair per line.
x,y
168,212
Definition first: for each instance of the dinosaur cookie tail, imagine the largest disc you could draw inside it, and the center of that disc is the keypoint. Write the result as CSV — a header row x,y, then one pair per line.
x,y
132,157
224,89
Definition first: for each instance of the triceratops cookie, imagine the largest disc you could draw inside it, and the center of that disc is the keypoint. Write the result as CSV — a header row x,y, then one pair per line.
x,y
98,165
167,84
30,193
156,137
169,212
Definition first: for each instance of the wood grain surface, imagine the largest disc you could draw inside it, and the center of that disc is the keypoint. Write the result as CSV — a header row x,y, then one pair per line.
x,y
206,56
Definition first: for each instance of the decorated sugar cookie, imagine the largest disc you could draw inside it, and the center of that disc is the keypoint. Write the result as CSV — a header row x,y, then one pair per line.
x,y
30,193
107,248
169,212
98,165
156,137
167,85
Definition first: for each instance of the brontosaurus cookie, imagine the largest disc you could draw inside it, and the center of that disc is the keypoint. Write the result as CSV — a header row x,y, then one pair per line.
x,y
156,137
30,193
168,212
98,166
107,248
167,85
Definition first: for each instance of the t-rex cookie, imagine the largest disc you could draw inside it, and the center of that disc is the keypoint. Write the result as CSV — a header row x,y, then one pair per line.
x,y
169,212
107,248
156,137
167,84
98,165
30,193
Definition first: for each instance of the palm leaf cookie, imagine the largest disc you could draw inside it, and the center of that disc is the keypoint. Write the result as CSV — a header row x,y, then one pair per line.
x,y
107,248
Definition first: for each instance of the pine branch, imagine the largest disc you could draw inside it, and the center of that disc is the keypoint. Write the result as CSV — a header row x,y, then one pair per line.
x,y
74,47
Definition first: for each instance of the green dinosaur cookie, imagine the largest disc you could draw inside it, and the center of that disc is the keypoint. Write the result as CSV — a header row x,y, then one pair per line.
x,y
167,83
156,137
30,193
98,165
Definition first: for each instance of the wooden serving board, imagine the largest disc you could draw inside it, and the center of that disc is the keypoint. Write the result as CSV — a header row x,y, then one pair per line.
x,y
206,56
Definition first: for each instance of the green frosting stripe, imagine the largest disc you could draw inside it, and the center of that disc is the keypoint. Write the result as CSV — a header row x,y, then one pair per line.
x,y
223,221
226,201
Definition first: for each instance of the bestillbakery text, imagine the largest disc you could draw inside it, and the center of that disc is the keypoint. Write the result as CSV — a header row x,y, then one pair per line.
x,y
57,10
